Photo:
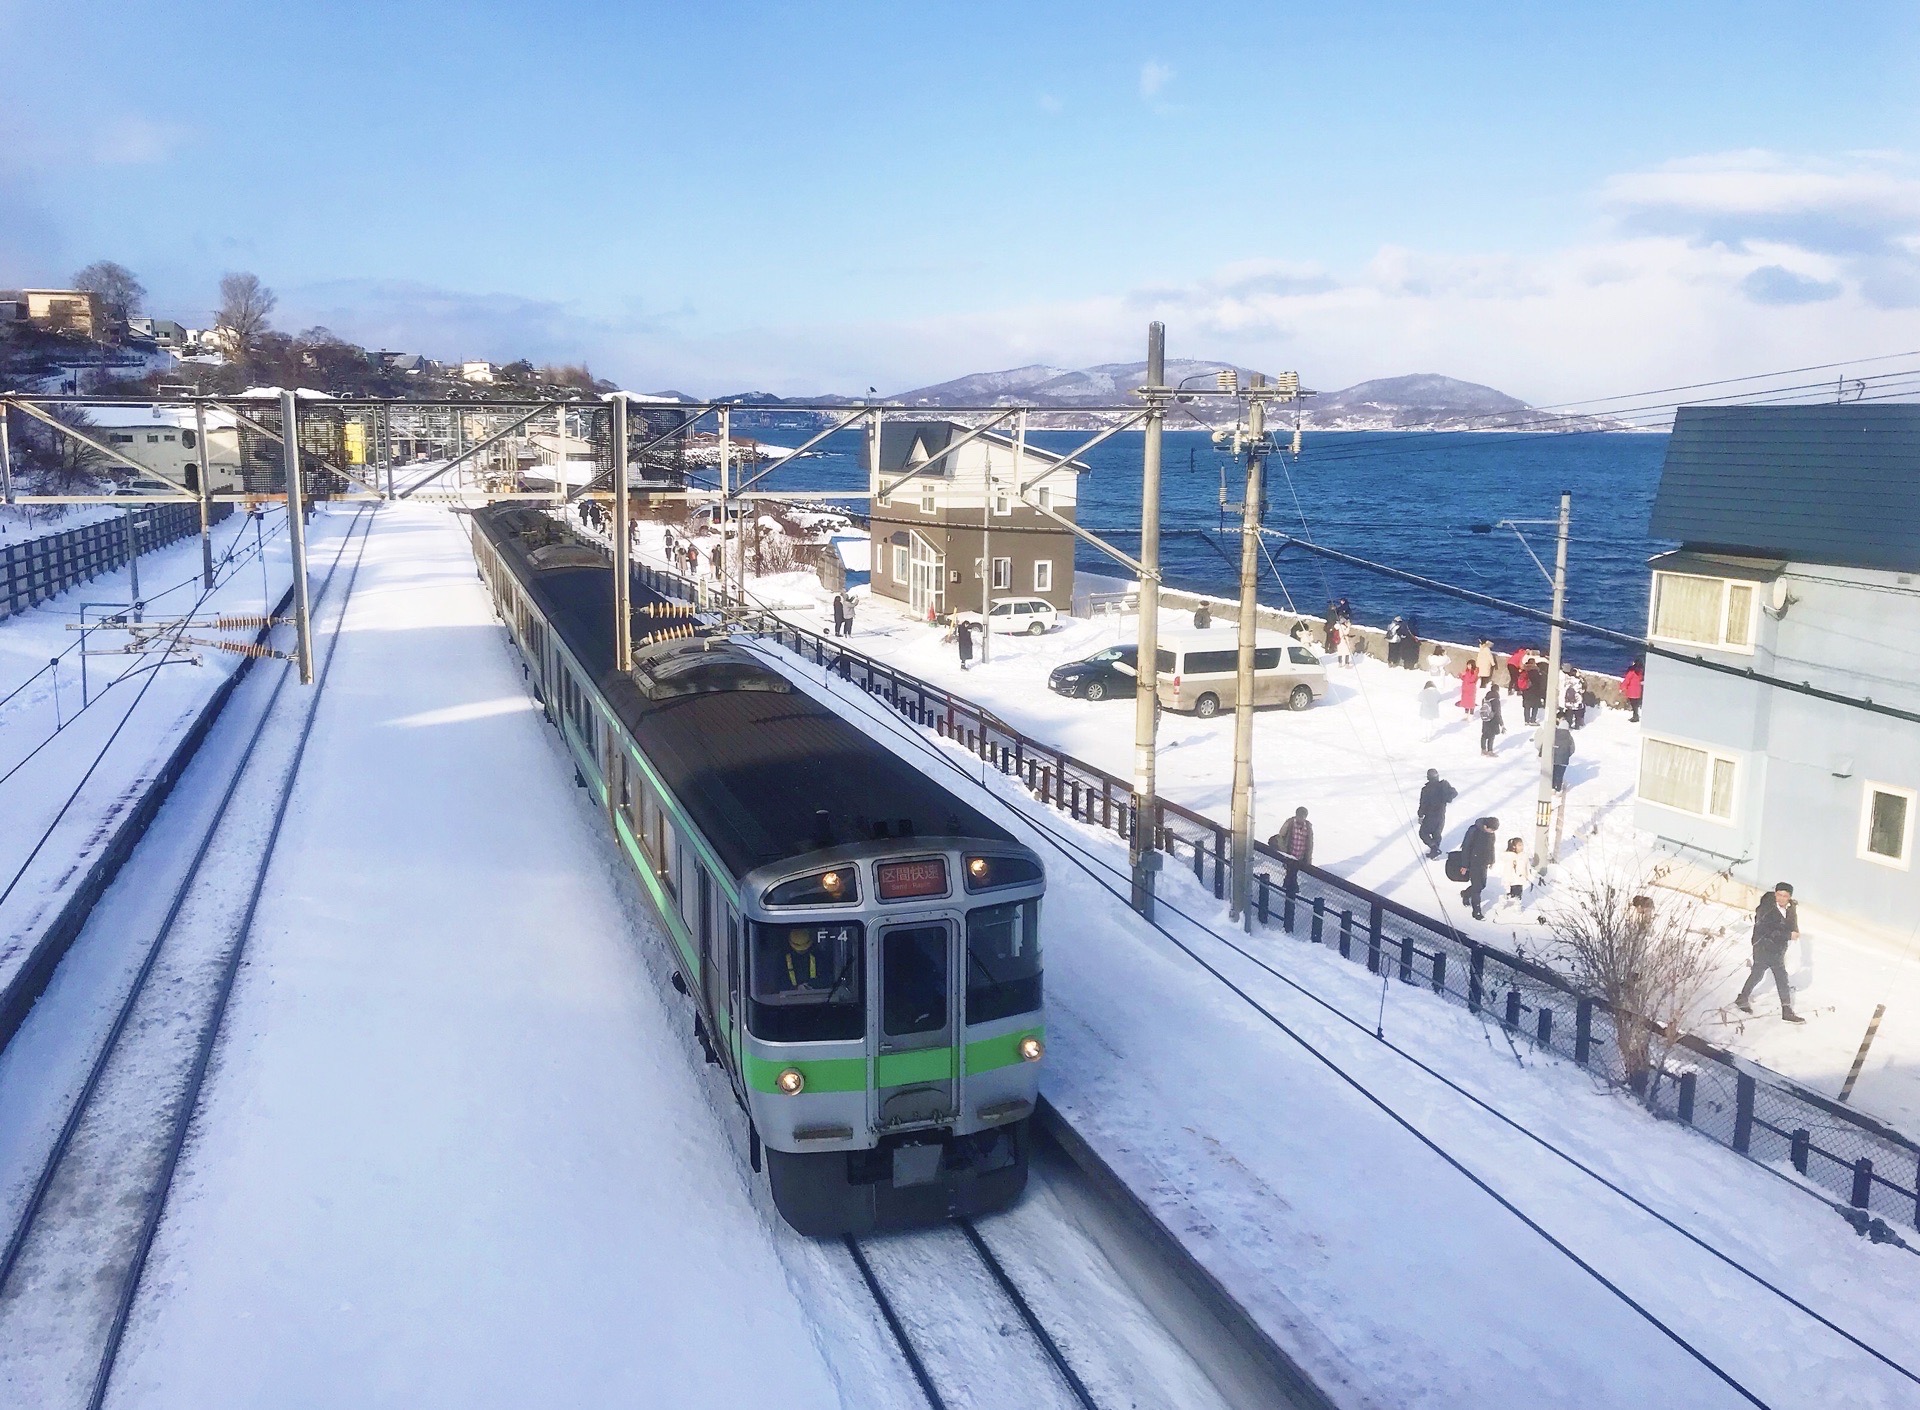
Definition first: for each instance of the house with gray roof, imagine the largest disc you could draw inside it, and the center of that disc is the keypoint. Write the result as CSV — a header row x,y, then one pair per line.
x,y
958,522
1799,560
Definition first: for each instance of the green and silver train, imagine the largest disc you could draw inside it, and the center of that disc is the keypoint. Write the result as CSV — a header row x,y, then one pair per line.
x,y
861,948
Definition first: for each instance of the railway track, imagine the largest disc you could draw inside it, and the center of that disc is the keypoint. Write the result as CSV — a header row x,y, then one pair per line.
x,y
72,1265
916,1296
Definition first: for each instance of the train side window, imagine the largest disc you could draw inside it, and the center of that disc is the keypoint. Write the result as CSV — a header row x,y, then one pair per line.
x,y
807,982
1003,960
669,850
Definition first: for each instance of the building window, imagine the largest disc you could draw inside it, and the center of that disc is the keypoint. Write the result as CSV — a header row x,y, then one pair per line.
x,y
1044,496
1716,612
153,440
1886,825
899,563
926,498
121,440
1043,575
1002,504
1688,778
1002,574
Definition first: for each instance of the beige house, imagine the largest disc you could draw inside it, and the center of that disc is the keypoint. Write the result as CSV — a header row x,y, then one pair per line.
x,y
948,537
65,310
165,441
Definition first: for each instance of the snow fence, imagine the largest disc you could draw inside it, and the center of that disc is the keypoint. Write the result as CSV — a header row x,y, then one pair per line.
x,y
47,566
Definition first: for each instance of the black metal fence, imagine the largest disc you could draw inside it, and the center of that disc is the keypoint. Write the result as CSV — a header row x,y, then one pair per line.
x,y
38,569
1871,1171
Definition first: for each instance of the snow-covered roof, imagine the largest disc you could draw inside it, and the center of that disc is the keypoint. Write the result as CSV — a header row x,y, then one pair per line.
x,y
274,394
120,417
855,554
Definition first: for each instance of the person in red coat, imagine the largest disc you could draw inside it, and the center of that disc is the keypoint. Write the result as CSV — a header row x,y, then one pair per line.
x,y
1632,685
1469,687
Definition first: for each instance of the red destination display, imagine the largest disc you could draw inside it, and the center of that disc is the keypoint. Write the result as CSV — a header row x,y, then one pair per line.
x,y
900,881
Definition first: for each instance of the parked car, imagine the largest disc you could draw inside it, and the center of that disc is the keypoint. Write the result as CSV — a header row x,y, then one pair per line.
x,y
1199,671
1106,673
1033,615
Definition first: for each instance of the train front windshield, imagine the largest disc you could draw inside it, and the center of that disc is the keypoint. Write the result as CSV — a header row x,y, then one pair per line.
x,y
1003,960
808,981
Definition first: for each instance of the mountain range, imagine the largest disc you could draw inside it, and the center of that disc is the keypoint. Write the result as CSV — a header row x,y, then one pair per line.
x,y
1422,401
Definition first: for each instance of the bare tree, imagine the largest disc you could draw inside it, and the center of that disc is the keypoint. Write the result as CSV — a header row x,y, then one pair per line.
x,y
1641,947
121,295
245,305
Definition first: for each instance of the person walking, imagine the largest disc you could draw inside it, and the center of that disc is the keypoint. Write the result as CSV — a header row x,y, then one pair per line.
x,y
1295,838
1633,685
1482,842
1515,873
963,634
1491,724
1571,711
1435,794
1429,701
1562,755
1343,644
1469,685
839,615
1203,616
1776,924
853,604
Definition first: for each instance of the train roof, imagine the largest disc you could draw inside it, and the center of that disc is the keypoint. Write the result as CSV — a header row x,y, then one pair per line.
x,y
749,756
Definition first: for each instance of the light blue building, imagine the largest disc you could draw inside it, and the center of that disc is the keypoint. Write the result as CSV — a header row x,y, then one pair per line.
x,y
1799,529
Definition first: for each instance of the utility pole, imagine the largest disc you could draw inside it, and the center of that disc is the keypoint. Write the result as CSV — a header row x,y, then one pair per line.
x,y
1250,506
1543,849
133,566
622,542
386,444
296,533
206,495
726,496
6,452
1141,851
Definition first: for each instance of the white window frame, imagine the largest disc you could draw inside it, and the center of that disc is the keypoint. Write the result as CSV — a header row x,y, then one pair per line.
x,y
1720,643
1043,496
929,502
1043,575
900,563
1903,862
1002,502
1003,575
1715,754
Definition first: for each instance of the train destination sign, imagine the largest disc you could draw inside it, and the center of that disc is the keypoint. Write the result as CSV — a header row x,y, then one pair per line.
x,y
900,881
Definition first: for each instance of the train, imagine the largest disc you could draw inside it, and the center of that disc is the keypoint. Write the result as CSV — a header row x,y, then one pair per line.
x,y
861,948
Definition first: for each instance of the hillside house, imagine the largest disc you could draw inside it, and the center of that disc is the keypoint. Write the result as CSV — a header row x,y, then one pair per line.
x,y
477,372
61,310
935,529
165,440
1799,558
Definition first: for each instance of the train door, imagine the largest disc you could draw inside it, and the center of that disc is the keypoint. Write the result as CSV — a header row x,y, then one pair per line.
x,y
914,1072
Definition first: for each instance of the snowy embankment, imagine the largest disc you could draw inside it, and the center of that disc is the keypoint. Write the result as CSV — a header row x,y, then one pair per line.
x,y
1420,1242
1357,760
72,763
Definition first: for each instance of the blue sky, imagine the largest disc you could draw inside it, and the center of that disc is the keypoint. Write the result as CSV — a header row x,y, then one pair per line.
x,y
1564,201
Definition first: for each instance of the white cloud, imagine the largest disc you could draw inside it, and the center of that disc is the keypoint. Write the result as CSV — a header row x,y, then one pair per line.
x,y
1154,77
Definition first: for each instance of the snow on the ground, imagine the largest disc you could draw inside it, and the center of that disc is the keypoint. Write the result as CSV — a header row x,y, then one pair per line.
x,y
451,1152
1384,1268
1357,760
48,740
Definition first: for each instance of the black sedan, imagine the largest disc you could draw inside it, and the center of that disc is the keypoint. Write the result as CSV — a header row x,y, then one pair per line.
x,y
1108,672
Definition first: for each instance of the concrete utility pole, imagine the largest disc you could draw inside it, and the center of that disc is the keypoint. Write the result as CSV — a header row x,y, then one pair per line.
x,y
1543,849
296,533
726,497
986,555
386,445
1146,702
622,542
133,566
1242,819
206,496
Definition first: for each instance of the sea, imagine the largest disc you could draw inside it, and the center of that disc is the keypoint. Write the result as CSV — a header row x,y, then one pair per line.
x,y
1406,499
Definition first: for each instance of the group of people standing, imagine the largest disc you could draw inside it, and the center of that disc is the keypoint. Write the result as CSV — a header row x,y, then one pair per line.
x,y
1479,854
843,605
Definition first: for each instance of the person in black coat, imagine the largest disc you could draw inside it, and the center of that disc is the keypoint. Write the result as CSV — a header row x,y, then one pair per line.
x,y
1435,794
839,615
1492,722
1776,924
1482,849
963,634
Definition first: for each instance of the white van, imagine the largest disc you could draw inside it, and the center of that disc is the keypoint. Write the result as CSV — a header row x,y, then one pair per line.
x,y
1199,671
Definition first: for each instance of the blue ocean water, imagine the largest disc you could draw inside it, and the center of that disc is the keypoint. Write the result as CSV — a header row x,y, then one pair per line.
x,y
1407,499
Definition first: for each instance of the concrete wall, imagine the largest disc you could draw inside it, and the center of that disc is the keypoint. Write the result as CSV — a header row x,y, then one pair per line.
x,y
1804,764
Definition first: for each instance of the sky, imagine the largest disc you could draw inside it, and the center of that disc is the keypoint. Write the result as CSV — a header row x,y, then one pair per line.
x,y
1561,201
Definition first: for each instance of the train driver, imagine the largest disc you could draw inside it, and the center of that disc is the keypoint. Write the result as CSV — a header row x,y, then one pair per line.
x,y
805,969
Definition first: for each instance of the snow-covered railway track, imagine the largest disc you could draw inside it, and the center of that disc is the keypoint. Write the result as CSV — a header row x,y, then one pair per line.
x,y
951,1323
72,1264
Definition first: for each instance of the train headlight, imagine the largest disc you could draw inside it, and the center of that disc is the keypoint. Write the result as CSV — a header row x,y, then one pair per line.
x,y
793,1082
1031,1049
833,884
977,869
